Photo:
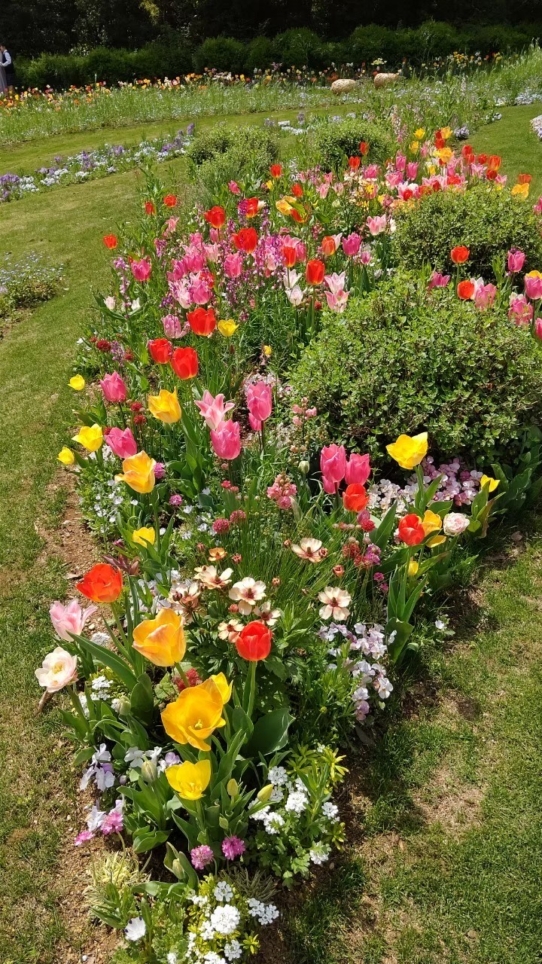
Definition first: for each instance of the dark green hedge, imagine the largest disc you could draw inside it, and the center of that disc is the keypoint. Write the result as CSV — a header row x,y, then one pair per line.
x,y
293,48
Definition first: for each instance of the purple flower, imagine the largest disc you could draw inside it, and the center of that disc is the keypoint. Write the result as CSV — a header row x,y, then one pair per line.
x,y
113,823
83,837
232,847
159,471
175,500
201,856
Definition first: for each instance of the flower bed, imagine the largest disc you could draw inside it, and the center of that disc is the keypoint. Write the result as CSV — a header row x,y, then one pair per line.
x,y
24,284
260,588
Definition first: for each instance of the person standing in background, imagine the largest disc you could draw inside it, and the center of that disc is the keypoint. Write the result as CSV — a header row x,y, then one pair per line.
x,y
8,67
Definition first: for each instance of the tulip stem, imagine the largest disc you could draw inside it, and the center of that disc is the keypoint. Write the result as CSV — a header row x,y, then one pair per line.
x,y
182,674
250,689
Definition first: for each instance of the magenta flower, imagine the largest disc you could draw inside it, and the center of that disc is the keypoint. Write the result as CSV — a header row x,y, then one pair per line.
x,y
83,838
233,265
213,409
114,388
351,244
438,280
175,500
358,469
201,856
233,847
142,269
172,326
516,260
113,822
533,286
226,440
69,620
333,464
259,400
121,442
538,328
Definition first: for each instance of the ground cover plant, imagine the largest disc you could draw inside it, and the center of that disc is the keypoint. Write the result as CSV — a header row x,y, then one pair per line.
x,y
212,519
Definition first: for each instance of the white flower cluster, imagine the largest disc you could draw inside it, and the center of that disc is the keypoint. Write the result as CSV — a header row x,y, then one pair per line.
x,y
264,913
217,936
370,677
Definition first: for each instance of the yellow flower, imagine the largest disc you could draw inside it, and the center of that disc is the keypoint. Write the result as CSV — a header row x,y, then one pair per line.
x,y
268,351
144,536
90,437
77,383
265,793
138,473
431,522
194,715
414,146
165,406
284,206
446,133
445,154
409,451
190,780
269,185
224,688
419,134
227,328
521,191
161,640
217,553
66,456
435,541
413,567
491,483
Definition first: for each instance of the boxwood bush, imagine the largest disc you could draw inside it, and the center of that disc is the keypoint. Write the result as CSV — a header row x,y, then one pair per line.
x,y
405,360
338,140
225,154
488,221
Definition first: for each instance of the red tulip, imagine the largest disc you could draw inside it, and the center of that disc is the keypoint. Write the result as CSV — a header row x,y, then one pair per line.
x,y
460,254
103,583
297,190
411,530
150,207
160,350
354,163
246,240
275,170
465,290
289,254
110,241
170,200
251,207
202,321
315,272
355,497
184,362
216,216
364,148
254,642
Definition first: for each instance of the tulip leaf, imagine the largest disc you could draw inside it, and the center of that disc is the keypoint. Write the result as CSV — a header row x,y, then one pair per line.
x,y
108,658
381,535
143,842
270,733
142,699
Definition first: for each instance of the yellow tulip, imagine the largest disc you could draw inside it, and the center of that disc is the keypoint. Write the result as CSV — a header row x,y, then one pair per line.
x,y
414,146
227,328
224,688
521,191
138,473
445,154
446,133
194,715
161,640
165,406
265,793
144,537
90,437
190,780
409,451
269,185
431,522
435,541
419,134
66,456
77,383
487,480
413,567
283,206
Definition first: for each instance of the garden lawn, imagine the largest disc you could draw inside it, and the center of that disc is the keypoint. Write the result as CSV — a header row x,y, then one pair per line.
x,y
445,864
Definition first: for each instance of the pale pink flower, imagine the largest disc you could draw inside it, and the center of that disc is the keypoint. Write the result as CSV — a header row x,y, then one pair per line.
x,y
533,286
172,326
121,442
485,295
267,615
454,523
233,265
247,593
230,631
335,604
259,398
438,280
69,620
58,670
337,301
377,225
211,579
520,311
213,409
310,550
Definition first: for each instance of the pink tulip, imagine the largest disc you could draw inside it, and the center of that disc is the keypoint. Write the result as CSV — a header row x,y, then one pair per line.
x,y
233,265
142,269
358,469
69,620
113,388
520,311
121,442
537,208
255,423
226,440
412,170
533,287
333,463
400,162
438,280
485,296
259,400
213,410
516,260
538,328
234,187
172,326
351,244
377,225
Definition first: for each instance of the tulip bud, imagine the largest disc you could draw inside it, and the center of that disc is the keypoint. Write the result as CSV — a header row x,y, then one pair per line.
x,y
265,793
149,771
232,787
124,706
177,869
304,467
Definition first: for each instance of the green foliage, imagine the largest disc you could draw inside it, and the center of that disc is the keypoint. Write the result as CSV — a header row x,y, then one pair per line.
x,y
402,360
487,221
298,48
220,53
225,154
339,140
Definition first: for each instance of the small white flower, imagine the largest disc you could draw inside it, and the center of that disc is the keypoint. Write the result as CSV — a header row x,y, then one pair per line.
x,y
213,958
439,624
172,958
330,810
232,950
225,920
247,593
273,822
135,757
297,801
277,776
223,891
135,929
319,855
336,603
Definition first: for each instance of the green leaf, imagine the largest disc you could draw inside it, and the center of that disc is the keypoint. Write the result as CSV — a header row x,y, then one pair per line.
x,y
144,842
270,733
108,658
142,699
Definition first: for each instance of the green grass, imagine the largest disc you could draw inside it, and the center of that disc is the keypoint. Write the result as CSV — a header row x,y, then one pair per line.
x,y
519,146
410,890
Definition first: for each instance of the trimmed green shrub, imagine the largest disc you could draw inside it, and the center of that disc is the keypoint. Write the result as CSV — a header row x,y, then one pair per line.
x,y
220,53
259,54
405,360
487,221
298,48
231,154
337,141
212,143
